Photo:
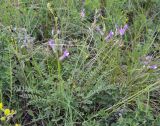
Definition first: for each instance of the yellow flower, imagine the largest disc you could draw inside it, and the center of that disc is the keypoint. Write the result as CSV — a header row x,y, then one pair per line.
x,y
7,112
127,20
1,105
3,118
17,124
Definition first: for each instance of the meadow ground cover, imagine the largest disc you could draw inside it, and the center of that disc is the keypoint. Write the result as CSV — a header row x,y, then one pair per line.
x,y
80,62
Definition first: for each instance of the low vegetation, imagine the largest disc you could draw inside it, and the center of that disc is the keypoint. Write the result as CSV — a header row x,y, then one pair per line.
x,y
80,62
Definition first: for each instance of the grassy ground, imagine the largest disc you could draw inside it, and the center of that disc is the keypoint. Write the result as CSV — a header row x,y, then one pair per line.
x,y
80,62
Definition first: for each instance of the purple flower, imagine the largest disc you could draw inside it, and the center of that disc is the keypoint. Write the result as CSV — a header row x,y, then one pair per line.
x,y
82,14
109,36
123,30
153,67
51,43
147,60
125,26
65,55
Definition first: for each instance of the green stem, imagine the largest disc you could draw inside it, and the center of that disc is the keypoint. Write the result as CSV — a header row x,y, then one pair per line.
x,y
11,79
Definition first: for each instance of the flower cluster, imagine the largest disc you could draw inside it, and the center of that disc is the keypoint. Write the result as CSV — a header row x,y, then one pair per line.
x,y
123,30
51,44
6,114
147,62
119,31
